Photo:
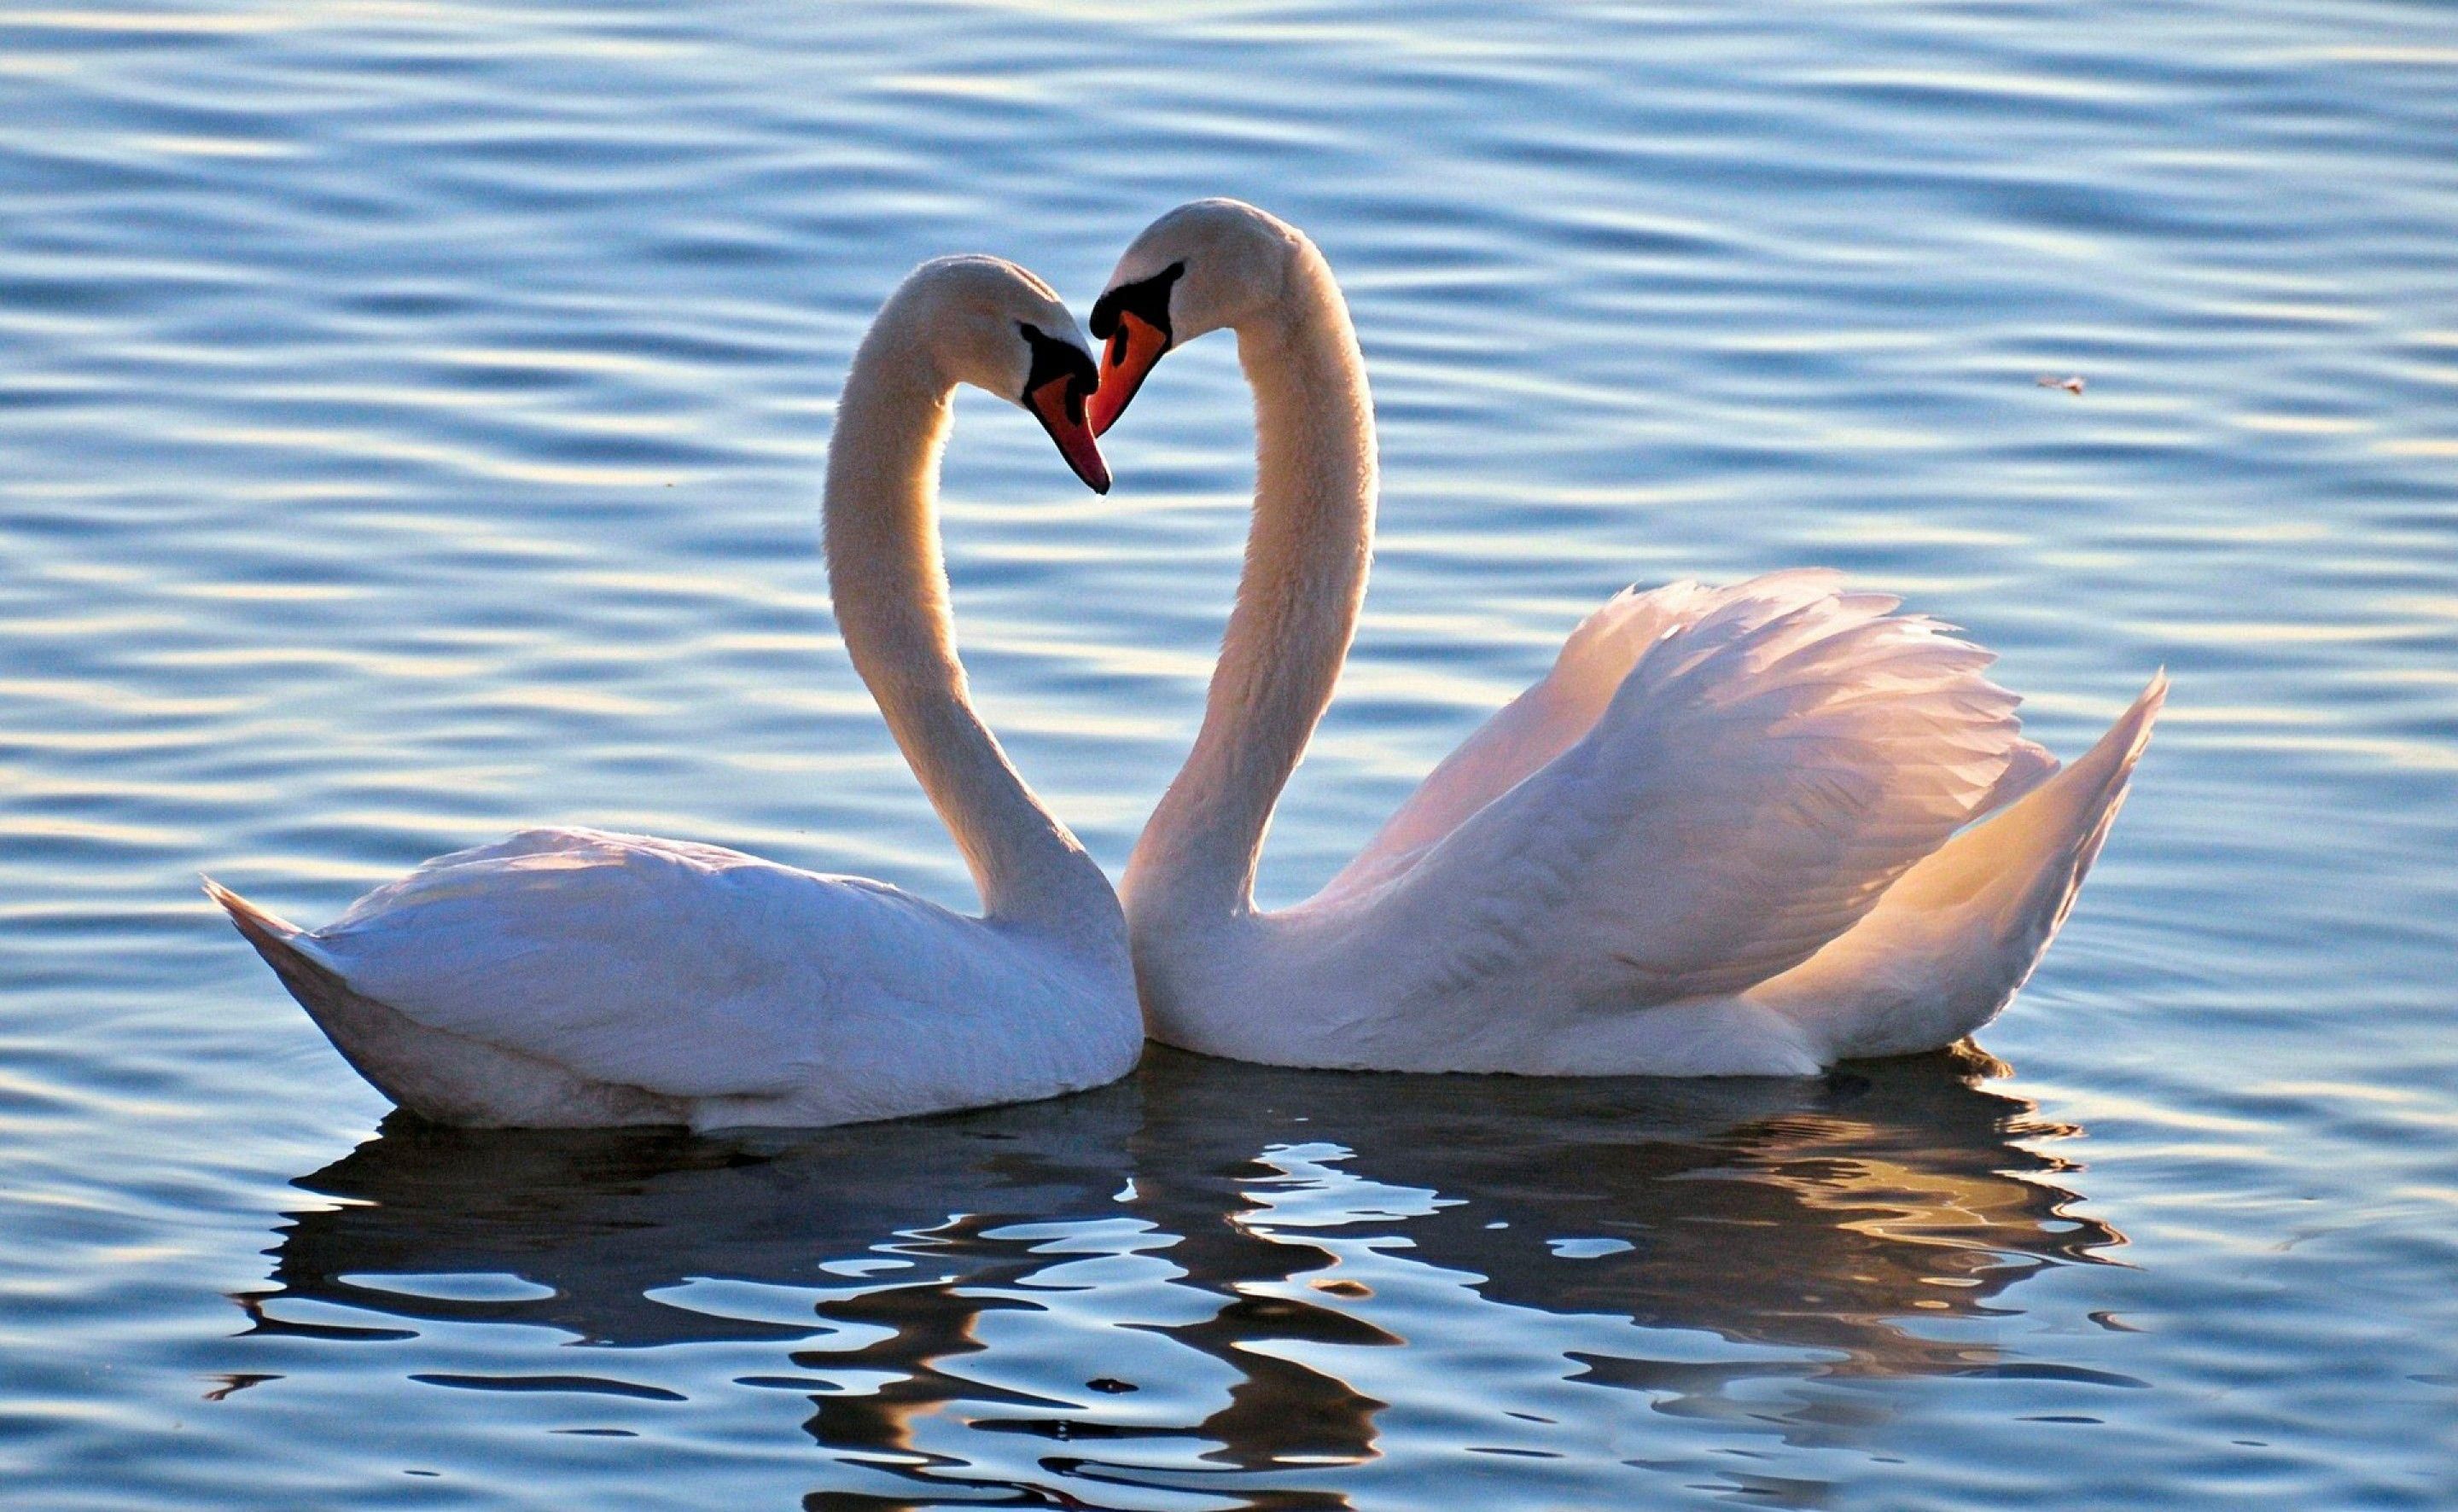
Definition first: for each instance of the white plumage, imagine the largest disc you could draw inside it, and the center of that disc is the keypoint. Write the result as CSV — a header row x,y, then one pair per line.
x,y
570,977
1730,832
566,976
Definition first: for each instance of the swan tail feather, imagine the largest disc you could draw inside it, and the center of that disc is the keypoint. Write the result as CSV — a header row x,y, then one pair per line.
x,y
1953,940
437,1074
274,938
2032,853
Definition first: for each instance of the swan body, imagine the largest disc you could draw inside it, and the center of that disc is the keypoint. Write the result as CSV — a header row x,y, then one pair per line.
x,y
573,977
1736,831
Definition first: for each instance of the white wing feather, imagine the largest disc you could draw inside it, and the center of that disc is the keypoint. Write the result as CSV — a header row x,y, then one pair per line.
x,y
1773,755
687,970
1543,722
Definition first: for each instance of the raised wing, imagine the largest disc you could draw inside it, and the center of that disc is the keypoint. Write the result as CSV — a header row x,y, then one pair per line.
x,y
686,970
1771,760
1543,722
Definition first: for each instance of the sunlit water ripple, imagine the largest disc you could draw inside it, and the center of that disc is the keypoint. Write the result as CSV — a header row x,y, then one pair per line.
x,y
411,417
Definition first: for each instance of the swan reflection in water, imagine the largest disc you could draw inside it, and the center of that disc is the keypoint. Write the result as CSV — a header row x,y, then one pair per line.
x,y
1217,1272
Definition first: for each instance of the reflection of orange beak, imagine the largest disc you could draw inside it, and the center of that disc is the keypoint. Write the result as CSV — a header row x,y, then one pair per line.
x,y
1135,346
1059,406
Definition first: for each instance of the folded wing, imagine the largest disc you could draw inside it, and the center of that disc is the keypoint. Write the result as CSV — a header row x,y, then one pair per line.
x,y
689,971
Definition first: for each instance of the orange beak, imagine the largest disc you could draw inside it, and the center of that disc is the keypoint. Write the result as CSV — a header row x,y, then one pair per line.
x,y
1135,346
1059,406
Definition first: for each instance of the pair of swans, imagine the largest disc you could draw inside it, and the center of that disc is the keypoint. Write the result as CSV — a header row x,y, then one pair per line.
x,y
1737,831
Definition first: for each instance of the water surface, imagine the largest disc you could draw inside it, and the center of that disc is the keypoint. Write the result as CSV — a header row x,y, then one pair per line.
x,y
410,422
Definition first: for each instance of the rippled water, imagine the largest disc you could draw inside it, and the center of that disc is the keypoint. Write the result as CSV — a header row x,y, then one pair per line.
x,y
410,418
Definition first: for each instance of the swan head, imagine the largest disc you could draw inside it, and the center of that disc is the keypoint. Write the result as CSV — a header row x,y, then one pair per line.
x,y
985,322
1202,267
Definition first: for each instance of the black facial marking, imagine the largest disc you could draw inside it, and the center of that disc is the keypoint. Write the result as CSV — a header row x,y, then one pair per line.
x,y
1147,300
1054,359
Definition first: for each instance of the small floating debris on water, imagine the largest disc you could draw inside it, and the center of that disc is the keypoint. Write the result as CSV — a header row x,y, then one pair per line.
x,y
2072,385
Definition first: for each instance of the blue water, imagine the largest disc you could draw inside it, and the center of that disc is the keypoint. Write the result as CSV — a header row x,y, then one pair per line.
x,y
410,419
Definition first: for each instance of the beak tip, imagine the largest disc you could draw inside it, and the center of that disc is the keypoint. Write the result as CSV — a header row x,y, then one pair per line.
x,y
1092,471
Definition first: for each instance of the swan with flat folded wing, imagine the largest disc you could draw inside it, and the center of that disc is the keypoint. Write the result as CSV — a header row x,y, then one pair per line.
x,y
571,977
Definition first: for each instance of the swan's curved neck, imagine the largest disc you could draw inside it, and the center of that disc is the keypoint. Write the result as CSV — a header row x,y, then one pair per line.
x,y
889,585
1306,555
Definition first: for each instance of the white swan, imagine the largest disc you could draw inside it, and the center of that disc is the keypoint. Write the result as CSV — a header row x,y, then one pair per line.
x,y
1727,834
573,977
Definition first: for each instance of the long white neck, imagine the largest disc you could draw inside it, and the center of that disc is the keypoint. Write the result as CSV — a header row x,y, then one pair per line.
x,y
890,589
1306,554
